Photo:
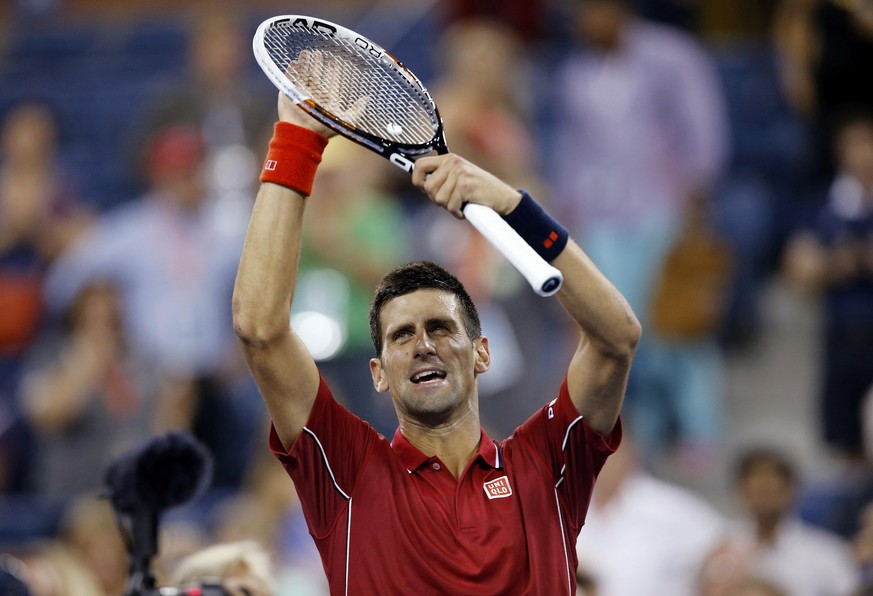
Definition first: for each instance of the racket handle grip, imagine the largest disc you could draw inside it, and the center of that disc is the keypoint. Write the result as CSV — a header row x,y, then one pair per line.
x,y
543,278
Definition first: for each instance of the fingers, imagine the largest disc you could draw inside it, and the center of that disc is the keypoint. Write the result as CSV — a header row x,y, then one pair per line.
x,y
451,181
355,112
305,69
326,80
448,197
424,167
437,177
332,95
304,73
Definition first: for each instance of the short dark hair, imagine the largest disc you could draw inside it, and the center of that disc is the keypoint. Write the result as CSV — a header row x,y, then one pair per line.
x,y
752,458
420,275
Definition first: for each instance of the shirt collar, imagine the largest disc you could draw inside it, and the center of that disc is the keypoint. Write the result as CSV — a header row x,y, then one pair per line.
x,y
413,459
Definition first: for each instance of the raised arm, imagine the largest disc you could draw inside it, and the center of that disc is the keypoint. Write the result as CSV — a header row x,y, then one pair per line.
x,y
597,377
280,363
598,373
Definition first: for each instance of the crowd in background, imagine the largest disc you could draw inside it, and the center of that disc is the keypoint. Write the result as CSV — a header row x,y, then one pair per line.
x,y
699,152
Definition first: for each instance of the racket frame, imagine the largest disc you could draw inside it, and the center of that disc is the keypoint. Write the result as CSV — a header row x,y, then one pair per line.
x,y
545,279
400,154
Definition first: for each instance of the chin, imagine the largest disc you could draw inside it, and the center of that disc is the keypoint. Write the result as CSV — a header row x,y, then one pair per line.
x,y
433,409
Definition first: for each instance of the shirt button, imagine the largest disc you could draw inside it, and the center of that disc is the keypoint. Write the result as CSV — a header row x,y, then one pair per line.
x,y
436,466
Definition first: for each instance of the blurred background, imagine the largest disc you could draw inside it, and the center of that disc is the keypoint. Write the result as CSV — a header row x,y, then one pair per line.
x,y
714,158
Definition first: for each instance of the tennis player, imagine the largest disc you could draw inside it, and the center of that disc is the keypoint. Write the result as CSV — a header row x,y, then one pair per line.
x,y
441,508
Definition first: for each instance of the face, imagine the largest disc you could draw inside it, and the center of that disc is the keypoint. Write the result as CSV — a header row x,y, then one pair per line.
x,y
855,148
29,133
428,362
483,56
99,310
217,52
766,492
187,189
600,22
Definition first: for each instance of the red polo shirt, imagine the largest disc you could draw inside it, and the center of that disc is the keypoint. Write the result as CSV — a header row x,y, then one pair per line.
x,y
387,519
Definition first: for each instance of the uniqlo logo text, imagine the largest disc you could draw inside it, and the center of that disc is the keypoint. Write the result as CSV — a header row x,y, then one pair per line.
x,y
498,489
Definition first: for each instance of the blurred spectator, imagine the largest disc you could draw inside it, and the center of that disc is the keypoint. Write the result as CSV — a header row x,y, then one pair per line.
x,y
835,259
826,53
359,232
39,215
48,568
88,396
170,260
770,543
762,193
241,568
268,511
90,532
39,200
642,535
478,92
641,141
231,112
862,545
481,73
484,100
174,263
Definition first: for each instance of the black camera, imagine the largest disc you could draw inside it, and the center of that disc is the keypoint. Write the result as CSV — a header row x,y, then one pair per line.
x,y
169,470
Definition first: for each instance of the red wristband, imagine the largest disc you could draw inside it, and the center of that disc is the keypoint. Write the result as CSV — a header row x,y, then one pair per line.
x,y
294,155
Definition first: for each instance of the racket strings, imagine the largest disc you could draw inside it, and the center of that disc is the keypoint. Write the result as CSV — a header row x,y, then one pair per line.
x,y
345,80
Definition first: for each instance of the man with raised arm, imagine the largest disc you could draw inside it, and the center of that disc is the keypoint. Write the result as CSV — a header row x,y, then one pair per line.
x,y
441,508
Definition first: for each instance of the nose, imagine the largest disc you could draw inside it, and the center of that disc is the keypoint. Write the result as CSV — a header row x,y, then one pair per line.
x,y
424,345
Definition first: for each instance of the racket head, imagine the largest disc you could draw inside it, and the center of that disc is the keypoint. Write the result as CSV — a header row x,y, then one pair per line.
x,y
350,84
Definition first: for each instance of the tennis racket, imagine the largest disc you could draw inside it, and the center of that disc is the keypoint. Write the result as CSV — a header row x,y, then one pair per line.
x,y
353,86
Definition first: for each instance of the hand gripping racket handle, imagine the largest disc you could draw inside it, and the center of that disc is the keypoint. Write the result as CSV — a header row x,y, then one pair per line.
x,y
543,278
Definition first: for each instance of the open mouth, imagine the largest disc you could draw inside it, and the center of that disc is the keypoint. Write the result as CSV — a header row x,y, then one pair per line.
x,y
427,375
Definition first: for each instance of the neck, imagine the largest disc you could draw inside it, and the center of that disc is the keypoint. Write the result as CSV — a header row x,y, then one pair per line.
x,y
453,442
767,527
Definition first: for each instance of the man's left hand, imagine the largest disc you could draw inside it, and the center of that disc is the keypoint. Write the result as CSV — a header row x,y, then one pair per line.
x,y
451,181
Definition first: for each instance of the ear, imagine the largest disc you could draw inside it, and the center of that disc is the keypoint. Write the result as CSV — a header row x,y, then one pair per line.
x,y
380,381
483,355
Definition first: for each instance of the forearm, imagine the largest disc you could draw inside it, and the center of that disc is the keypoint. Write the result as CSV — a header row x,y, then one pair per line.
x,y
598,373
597,376
268,265
54,398
602,313
267,274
